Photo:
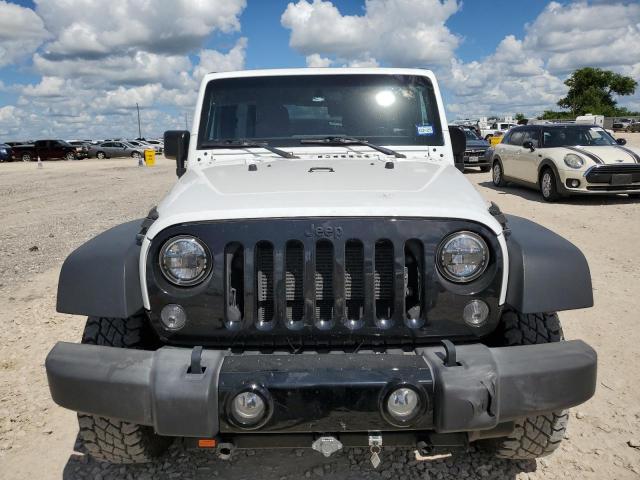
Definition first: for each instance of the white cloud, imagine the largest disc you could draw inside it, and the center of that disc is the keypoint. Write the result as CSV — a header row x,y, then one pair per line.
x,y
21,32
215,61
102,57
96,28
402,32
528,75
318,61
523,74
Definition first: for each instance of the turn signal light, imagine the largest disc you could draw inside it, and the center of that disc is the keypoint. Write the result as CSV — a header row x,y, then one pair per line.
x,y
207,443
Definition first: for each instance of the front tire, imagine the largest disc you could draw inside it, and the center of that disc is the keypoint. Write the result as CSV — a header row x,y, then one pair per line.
x,y
497,175
548,186
111,440
540,435
26,157
100,155
69,157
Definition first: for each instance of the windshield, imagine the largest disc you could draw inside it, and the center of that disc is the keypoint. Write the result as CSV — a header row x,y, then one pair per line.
x,y
282,110
576,135
471,134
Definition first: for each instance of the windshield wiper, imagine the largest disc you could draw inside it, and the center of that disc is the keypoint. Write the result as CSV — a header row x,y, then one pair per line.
x,y
350,141
246,144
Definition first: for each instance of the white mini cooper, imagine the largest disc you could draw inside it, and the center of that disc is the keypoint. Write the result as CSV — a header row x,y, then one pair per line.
x,y
566,159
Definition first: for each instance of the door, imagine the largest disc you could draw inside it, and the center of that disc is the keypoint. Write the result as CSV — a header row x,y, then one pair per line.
x,y
56,149
509,148
41,149
529,160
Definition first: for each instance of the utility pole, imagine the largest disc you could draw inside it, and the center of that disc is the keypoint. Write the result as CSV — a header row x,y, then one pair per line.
x,y
139,130
186,120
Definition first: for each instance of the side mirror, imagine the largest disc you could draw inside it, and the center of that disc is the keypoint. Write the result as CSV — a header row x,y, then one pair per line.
x,y
528,144
176,147
621,141
458,145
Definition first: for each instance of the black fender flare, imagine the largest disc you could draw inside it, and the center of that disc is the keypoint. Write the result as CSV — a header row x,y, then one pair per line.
x,y
101,277
547,273
551,164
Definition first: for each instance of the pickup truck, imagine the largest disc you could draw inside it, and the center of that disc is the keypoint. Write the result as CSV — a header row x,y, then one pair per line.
x,y
46,150
496,128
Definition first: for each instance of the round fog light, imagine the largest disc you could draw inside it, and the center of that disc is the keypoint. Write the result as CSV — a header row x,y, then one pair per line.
x,y
248,408
475,313
173,317
403,403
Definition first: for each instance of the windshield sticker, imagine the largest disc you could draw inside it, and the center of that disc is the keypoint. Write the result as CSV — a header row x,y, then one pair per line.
x,y
424,129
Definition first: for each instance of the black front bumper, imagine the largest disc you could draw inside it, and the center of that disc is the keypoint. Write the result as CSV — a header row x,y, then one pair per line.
x,y
312,392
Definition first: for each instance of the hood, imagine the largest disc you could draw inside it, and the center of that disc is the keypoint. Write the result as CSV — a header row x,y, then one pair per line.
x,y
479,143
322,187
607,154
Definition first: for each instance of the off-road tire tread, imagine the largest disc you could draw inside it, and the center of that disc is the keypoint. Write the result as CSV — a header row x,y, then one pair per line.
x,y
107,439
539,436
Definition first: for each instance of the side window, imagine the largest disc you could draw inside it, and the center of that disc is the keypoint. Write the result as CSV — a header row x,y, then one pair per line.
x,y
516,138
40,144
107,144
532,136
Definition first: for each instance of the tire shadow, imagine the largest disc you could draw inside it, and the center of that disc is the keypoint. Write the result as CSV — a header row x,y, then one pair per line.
x,y
293,464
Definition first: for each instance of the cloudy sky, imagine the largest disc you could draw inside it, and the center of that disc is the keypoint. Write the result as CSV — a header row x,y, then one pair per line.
x,y
77,68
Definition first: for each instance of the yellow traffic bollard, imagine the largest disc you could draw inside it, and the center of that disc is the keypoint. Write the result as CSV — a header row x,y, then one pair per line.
x,y
149,157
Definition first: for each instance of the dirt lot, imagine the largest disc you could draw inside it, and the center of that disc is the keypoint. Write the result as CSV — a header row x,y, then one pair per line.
x,y
48,212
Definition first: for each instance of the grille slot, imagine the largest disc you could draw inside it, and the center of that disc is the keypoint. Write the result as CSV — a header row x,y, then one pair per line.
x,y
413,283
234,285
294,283
264,285
354,282
324,297
383,279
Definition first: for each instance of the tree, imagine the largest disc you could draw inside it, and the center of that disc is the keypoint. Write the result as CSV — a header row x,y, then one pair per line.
x,y
591,91
520,119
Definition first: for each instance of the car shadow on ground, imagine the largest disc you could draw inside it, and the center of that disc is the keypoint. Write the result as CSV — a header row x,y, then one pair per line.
x,y
293,464
586,200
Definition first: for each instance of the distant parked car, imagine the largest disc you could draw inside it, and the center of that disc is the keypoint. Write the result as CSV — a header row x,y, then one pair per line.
x,y
496,129
82,148
474,155
5,153
157,145
114,149
45,150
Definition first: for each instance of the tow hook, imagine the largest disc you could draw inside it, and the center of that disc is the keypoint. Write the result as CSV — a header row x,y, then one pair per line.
x,y
375,447
225,450
327,445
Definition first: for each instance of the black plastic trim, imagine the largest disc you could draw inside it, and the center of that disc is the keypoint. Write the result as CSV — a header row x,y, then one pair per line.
x,y
333,392
546,272
101,277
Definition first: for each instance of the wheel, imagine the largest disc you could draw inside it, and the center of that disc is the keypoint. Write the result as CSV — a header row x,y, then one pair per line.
x,y
112,440
69,156
485,168
26,157
136,155
537,436
497,175
548,185
100,155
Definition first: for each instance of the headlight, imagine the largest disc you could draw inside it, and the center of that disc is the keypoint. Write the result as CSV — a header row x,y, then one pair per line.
x,y
463,257
574,161
3,150
184,260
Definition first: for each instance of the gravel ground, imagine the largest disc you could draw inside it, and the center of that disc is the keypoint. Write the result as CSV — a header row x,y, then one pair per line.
x,y
48,212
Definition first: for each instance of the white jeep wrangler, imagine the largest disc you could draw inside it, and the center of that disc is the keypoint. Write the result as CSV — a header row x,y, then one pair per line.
x,y
322,276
